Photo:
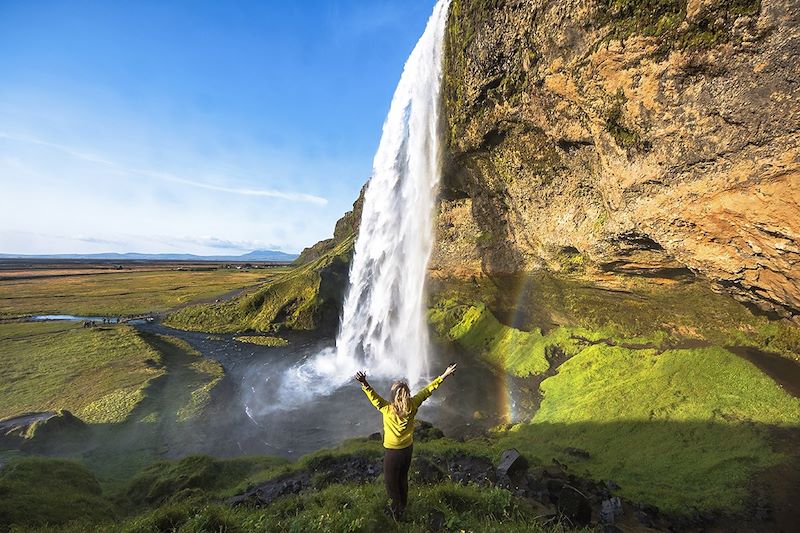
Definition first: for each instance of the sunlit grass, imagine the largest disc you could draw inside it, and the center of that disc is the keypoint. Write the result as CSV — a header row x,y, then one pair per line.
x,y
96,373
120,294
263,340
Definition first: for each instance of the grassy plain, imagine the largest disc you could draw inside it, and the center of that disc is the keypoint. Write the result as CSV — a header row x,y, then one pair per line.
x,y
107,292
99,374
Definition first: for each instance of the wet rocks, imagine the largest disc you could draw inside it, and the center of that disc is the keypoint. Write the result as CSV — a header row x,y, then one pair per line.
x,y
471,469
320,472
610,510
266,493
426,470
511,463
425,431
644,156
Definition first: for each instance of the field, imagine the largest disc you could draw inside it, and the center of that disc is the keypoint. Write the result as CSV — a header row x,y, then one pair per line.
x,y
117,289
96,373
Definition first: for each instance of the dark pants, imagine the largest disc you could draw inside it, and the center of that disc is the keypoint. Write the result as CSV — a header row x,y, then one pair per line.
x,y
395,474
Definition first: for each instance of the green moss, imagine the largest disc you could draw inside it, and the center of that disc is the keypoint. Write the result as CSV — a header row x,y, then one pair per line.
x,y
624,136
263,340
466,19
475,328
37,491
664,19
681,429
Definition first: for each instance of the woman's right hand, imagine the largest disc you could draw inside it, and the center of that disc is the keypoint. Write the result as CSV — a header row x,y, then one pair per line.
x,y
361,377
450,369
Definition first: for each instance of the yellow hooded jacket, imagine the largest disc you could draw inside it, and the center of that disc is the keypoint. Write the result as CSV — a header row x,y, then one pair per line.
x,y
398,432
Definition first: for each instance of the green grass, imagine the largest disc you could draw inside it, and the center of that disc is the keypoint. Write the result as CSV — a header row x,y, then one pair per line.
x,y
263,340
475,328
683,429
171,402
352,508
185,496
208,374
35,492
96,373
120,294
175,480
296,299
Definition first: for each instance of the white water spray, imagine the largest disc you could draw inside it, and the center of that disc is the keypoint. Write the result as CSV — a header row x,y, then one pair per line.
x,y
383,327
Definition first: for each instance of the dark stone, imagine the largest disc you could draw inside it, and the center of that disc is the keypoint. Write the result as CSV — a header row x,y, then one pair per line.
x,y
375,436
610,510
554,488
610,528
577,452
436,520
610,485
471,469
321,471
574,507
647,515
424,470
425,431
268,492
511,463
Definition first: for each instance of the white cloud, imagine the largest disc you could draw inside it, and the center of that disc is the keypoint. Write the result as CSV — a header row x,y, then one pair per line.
x,y
244,191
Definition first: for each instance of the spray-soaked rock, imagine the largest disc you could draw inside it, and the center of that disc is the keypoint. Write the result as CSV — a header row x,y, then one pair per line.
x,y
511,463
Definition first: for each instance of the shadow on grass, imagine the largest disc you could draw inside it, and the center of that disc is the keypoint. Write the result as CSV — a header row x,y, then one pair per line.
x,y
744,472
680,467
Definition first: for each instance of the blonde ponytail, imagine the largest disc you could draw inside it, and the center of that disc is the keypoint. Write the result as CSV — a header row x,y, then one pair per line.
x,y
401,399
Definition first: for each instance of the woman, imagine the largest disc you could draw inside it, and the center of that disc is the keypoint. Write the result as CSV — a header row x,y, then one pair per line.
x,y
398,433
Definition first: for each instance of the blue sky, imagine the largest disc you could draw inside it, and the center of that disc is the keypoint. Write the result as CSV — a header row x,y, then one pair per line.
x,y
191,126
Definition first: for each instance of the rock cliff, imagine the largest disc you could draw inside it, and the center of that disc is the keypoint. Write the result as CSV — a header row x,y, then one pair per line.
x,y
655,138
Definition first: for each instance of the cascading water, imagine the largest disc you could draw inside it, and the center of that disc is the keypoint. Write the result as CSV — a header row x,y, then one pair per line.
x,y
383,327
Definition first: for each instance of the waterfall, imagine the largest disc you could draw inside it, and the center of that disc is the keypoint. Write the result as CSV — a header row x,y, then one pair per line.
x,y
383,326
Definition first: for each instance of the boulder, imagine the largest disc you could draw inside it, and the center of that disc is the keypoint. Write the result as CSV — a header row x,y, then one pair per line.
x,y
425,431
425,470
436,520
267,492
574,507
610,510
511,463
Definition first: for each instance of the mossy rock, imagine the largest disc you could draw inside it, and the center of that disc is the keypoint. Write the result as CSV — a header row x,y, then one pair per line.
x,y
308,297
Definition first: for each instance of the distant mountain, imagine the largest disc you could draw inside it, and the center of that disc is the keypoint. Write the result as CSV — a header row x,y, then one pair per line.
x,y
257,255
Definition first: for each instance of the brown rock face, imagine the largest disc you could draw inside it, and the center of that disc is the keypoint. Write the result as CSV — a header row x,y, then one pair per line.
x,y
657,139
